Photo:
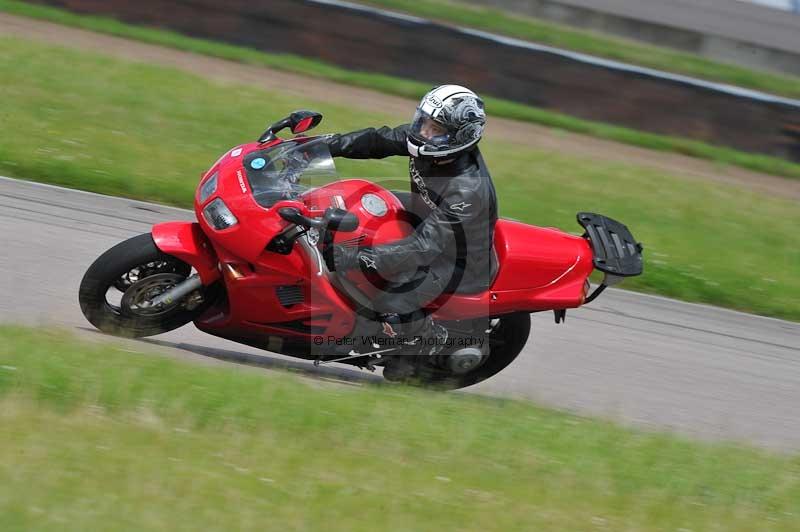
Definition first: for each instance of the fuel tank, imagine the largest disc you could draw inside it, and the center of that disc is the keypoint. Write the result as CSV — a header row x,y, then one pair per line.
x,y
380,214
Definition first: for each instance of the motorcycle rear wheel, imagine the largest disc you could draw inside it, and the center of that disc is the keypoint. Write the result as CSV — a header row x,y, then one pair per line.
x,y
506,340
135,268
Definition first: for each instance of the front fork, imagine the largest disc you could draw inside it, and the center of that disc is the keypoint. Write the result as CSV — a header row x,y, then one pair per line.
x,y
179,291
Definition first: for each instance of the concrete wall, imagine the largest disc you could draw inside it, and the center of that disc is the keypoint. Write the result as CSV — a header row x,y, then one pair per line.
x,y
370,40
727,30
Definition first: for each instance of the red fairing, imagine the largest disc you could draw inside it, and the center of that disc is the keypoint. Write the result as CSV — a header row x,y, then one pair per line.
x,y
187,241
254,307
257,225
538,269
533,258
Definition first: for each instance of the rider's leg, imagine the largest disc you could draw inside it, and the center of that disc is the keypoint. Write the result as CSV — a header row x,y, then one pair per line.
x,y
401,311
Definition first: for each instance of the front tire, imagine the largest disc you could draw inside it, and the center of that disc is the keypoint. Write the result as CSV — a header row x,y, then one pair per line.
x,y
129,268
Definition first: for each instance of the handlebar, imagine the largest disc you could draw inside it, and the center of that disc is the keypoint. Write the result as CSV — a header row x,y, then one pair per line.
x,y
290,214
333,219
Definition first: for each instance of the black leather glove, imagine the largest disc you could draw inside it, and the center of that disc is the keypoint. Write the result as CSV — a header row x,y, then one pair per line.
x,y
341,258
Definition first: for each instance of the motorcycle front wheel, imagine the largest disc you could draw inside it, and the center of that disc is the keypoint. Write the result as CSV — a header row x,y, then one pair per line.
x,y
115,290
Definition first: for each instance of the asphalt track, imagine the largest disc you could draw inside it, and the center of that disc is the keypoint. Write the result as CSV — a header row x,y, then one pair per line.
x,y
641,360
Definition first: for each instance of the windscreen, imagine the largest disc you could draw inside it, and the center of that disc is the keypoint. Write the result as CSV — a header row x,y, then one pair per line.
x,y
285,171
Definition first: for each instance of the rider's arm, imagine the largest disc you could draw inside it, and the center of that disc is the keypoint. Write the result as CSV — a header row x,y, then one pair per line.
x,y
370,143
443,231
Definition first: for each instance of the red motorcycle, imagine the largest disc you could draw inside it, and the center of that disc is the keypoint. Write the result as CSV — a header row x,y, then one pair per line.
x,y
253,269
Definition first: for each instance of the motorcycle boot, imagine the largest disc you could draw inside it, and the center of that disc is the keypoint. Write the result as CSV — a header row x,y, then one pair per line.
x,y
416,330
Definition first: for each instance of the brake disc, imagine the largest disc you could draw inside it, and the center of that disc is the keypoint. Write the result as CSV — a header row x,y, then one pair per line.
x,y
136,300
146,270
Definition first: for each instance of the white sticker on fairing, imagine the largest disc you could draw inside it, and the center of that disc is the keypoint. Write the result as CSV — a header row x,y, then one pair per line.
x,y
237,152
241,181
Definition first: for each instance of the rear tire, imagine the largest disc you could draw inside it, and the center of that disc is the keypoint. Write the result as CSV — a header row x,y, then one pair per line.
x,y
506,340
121,267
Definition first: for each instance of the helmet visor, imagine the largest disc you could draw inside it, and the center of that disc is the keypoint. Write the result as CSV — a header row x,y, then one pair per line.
x,y
425,128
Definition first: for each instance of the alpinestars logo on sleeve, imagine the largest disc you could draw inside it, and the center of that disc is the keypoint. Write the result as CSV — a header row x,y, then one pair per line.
x,y
368,262
459,207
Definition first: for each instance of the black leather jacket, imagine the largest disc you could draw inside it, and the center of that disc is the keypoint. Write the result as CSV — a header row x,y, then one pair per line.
x,y
455,205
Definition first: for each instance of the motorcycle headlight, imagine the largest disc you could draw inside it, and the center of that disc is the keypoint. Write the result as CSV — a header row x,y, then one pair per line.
x,y
208,188
218,215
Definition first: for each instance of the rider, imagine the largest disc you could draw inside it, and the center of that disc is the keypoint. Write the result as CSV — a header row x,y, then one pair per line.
x,y
452,200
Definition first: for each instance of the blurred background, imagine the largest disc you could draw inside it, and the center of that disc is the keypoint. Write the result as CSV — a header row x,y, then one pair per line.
x,y
696,138
679,117
436,49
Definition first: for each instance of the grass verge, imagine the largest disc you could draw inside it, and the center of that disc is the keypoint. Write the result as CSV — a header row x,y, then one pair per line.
x,y
629,51
406,88
97,437
92,122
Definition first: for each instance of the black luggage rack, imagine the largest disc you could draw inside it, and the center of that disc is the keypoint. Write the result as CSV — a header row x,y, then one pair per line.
x,y
616,252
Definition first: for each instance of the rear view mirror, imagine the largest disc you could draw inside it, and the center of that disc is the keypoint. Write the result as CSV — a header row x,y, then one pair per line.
x,y
298,122
301,121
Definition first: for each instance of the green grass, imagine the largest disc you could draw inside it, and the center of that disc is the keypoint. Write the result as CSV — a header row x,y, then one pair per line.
x,y
625,50
92,122
407,88
102,438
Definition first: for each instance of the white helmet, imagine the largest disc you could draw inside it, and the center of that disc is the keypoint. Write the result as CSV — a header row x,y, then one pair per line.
x,y
458,110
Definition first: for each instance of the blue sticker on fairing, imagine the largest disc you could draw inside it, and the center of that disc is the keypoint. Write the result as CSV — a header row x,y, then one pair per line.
x,y
257,164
